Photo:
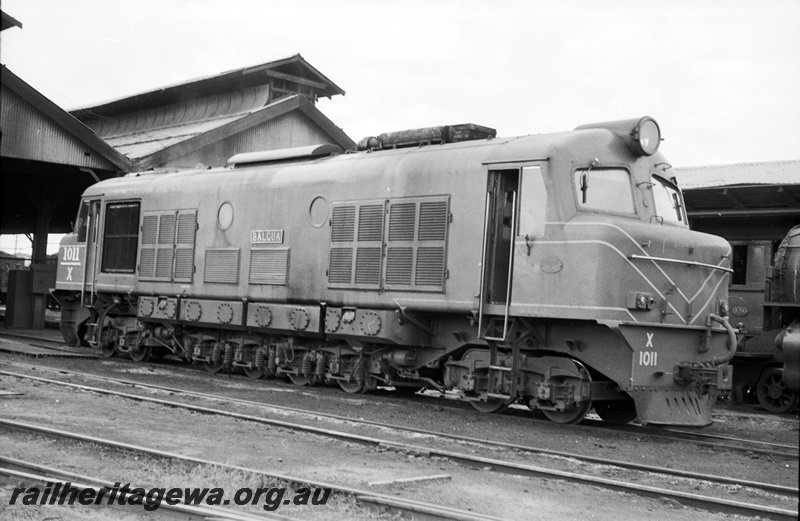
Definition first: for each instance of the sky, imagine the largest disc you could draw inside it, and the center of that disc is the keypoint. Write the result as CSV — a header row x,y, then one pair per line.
x,y
721,77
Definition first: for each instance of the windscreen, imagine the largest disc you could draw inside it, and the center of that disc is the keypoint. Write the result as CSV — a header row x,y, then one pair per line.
x,y
604,189
668,200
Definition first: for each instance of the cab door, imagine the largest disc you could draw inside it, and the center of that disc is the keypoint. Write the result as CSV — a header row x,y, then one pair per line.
x,y
91,238
516,202
748,284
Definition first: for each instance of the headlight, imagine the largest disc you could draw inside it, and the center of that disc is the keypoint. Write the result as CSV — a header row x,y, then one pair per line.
x,y
647,135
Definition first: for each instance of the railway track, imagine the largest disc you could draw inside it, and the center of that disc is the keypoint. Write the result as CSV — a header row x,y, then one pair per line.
x,y
423,432
406,507
652,432
704,502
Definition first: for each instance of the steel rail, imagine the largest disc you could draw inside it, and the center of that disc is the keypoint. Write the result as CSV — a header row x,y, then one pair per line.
x,y
757,446
704,502
696,437
12,334
15,470
652,432
769,487
689,434
407,506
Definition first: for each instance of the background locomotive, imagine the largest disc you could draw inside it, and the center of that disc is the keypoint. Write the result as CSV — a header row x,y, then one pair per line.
x,y
556,270
767,362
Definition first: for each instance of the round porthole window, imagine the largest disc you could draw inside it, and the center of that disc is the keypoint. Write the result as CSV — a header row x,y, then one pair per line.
x,y
318,212
225,216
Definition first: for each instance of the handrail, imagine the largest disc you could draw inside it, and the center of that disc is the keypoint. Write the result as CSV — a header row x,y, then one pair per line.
x,y
679,261
483,263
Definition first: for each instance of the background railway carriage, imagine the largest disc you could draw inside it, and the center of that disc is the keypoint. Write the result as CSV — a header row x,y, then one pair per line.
x,y
556,270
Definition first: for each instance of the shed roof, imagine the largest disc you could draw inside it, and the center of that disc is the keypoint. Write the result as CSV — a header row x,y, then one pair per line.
x,y
8,22
740,174
66,129
150,147
294,68
769,190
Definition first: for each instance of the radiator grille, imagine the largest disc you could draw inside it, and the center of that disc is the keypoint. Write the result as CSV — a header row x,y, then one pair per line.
x,y
147,263
433,221
222,266
343,224
368,266
430,267
399,263
269,266
166,229
186,228
184,263
164,263
370,222
402,219
341,267
394,244
149,229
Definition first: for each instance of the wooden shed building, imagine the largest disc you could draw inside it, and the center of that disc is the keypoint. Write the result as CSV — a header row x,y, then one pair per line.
x,y
206,121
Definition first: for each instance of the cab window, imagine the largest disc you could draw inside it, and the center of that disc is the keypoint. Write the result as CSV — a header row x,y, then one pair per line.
x,y
121,236
604,189
667,200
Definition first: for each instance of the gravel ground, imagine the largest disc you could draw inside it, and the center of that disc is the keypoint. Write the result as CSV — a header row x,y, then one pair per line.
x,y
321,459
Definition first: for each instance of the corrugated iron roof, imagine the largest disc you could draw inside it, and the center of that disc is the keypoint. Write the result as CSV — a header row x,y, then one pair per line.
x,y
740,174
140,144
295,67
74,130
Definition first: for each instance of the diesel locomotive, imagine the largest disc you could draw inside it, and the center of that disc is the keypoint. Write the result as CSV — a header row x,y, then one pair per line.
x,y
553,270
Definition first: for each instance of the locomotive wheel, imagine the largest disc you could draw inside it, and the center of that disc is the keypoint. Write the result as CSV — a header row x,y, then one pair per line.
x,y
108,350
255,374
141,353
772,394
212,367
575,412
109,339
492,405
618,412
300,379
353,387
572,414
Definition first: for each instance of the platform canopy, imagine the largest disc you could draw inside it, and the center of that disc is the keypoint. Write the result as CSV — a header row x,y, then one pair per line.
x,y
47,159
744,200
